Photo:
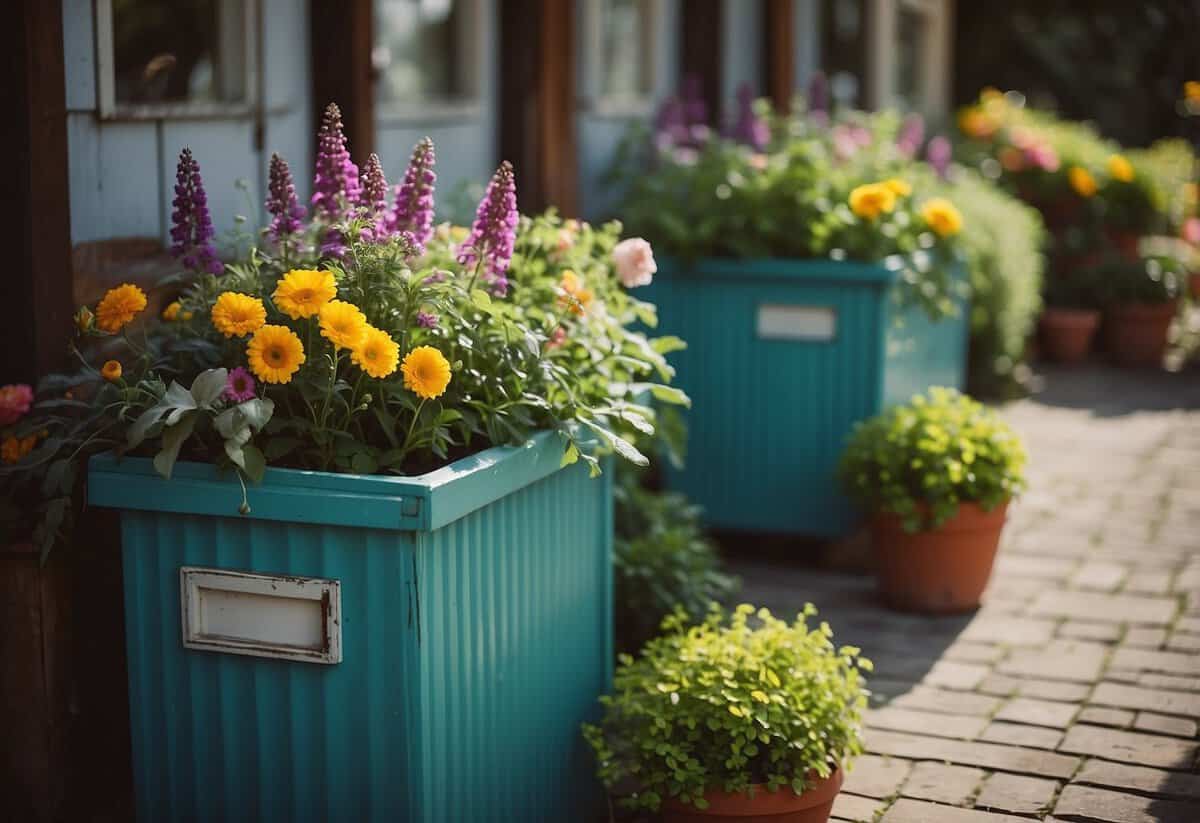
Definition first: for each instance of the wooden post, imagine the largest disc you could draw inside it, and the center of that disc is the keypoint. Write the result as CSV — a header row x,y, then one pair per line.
x,y
701,53
33,141
342,36
780,51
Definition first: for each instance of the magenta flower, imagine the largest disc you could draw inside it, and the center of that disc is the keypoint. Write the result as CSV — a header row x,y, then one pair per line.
x,y
912,132
749,127
15,402
490,243
281,201
413,209
191,225
239,386
426,320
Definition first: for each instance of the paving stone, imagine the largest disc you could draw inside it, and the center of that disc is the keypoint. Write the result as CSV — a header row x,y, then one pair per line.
x,y
951,675
1146,581
1018,734
961,726
1034,565
970,753
1188,624
1122,675
1003,685
1155,700
1152,661
1184,642
876,776
1129,747
1061,659
907,810
1165,724
1105,717
1014,793
1112,608
1008,630
1099,576
1105,632
1117,807
1170,682
967,652
999,684
855,808
1037,712
1145,638
1139,779
932,699
955,785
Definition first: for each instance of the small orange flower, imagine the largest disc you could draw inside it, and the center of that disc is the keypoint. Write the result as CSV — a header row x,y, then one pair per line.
x,y
111,371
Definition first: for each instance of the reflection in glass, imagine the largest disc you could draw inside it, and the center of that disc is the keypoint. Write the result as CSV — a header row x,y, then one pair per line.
x,y
417,51
625,49
911,26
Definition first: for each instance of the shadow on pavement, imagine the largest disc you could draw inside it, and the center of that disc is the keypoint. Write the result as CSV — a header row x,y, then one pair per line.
x,y
1108,391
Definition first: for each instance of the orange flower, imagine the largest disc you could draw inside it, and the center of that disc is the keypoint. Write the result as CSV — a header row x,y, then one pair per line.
x,y
119,306
111,371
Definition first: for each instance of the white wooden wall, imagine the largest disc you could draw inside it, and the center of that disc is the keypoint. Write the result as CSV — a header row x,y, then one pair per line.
x,y
122,172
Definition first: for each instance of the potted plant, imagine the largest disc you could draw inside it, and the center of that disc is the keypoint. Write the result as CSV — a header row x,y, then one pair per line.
x,y
1142,299
361,525
936,476
1071,317
747,718
800,250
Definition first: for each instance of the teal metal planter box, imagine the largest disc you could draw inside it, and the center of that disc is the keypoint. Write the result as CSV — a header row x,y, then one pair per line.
x,y
783,357
365,648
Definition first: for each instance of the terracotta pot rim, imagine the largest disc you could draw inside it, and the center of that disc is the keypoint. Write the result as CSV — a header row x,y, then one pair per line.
x,y
1146,310
1070,318
969,517
765,802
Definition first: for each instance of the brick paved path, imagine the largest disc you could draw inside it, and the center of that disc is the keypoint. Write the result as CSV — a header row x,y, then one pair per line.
x,y
1074,693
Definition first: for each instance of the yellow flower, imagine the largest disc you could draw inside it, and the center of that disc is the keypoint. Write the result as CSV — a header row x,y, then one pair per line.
x,y
343,324
119,306
941,216
111,370
377,354
976,124
238,314
187,315
1120,168
1191,90
872,200
426,372
578,298
171,312
899,187
302,292
1082,181
275,353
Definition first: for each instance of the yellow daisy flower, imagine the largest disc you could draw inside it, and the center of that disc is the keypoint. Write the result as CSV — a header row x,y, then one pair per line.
x,y
111,370
426,372
1082,181
275,353
900,188
171,312
377,354
119,307
871,200
941,216
301,292
579,298
1120,168
236,315
343,324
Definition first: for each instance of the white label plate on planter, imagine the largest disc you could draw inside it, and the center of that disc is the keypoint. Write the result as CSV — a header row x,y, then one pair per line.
x,y
262,615
813,323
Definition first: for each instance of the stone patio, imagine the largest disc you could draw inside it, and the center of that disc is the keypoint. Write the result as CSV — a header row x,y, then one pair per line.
x,y
1074,692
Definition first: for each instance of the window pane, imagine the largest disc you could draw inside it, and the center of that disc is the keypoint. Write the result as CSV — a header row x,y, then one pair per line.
x,y
911,27
844,49
417,51
178,51
625,49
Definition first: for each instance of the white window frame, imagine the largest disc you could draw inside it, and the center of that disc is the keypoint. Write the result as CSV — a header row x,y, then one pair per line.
x,y
472,30
110,109
591,99
935,71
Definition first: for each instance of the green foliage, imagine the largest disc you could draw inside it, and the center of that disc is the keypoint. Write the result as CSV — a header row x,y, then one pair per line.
x,y
1158,279
921,460
664,561
723,705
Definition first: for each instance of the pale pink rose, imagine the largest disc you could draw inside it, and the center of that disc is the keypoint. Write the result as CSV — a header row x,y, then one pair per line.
x,y
15,401
635,264
1191,230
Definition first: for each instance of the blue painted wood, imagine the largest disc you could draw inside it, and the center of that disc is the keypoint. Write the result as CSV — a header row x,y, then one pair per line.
x,y
472,649
769,417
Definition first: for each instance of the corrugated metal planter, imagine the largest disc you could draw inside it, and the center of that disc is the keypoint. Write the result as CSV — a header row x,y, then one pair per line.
x,y
366,648
783,357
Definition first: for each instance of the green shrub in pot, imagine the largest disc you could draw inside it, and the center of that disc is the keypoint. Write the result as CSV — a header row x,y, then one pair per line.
x,y
732,705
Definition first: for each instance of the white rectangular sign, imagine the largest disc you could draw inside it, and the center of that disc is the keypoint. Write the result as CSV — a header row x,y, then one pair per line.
x,y
263,615
813,323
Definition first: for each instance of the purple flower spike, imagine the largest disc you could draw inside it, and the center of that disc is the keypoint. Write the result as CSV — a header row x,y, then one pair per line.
x,y
494,230
426,320
413,209
335,184
938,154
818,94
282,202
373,200
191,225
695,110
912,132
749,128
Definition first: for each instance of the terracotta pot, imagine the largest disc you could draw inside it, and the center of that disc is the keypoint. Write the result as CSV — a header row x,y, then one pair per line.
x,y
1137,332
1067,333
1194,285
1126,243
782,806
943,570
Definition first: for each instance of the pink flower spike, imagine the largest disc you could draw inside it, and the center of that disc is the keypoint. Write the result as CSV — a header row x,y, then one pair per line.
x,y
239,386
15,401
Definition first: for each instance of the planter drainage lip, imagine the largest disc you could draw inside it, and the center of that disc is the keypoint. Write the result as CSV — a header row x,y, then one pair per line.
x,y
420,503
841,272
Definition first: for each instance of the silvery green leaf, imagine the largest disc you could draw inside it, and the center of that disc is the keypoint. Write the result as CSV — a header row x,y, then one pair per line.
x,y
257,412
176,401
227,422
207,387
172,440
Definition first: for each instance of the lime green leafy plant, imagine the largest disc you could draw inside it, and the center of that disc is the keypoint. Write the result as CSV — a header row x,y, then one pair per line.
x,y
921,460
744,704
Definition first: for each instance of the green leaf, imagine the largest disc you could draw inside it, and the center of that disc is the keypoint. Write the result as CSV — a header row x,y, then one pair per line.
x,y
619,444
481,299
208,386
254,463
172,440
670,394
570,456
